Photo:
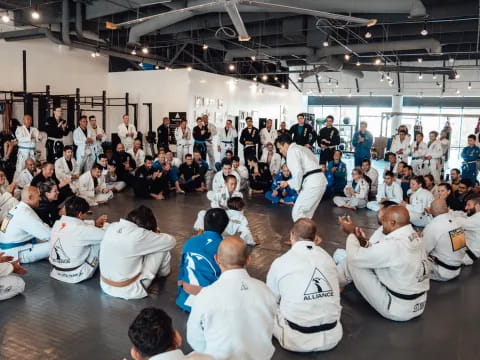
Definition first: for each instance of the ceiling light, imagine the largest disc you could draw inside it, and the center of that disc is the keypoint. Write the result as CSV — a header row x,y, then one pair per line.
x,y
189,68
457,76
282,86
458,91
254,78
420,60
424,31
350,94
420,76
381,79
97,53
253,57
275,78
205,47
35,14
368,35
92,54
145,50
346,57
5,18
133,52
469,85
157,67
378,61
434,76
300,78
337,84
325,43
264,77
167,68
451,60
358,63
231,67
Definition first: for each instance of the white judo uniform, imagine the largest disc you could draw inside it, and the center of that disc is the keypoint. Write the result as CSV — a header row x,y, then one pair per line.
x,y
242,172
7,203
275,162
124,132
305,281
445,244
359,199
220,198
62,171
10,285
218,183
391,192
19,232
238,224
418,164
24,178
128,252
232,319
184,142
392,274
111,181
27,140
74,249
471,226
177,354
266,137
85,154
307,181
419,201
226,140
97,145
373,175
88,191
435,150
398,144
139,157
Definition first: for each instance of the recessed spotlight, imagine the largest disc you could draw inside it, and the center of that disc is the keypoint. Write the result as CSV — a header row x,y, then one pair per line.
x,y
92,54
205,47
458,91
457,76
358,63
157,67
140,64
189,68
368,35
253,57
350,94
145,50
346,57
5,18
424,31
420,76
434,76
35,15
451,60
300,78
282,86
275,78
97,53
325,43
231,67
133,52
420,60
469,85
167,68
264,77
254,78
378,61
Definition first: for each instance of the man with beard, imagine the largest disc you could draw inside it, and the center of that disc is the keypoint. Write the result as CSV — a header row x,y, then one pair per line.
x,y
328,139
470,222
302,133
151,183
124,163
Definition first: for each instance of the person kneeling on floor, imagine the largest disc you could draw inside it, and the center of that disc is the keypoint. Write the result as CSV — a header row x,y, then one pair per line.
x,y
132,253
153,337
229,190
356,195
23,234
280,195
10,285
445,243
305,281
392,275
75,243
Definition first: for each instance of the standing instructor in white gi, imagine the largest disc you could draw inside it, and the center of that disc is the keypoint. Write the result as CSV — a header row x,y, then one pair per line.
x,y
307,177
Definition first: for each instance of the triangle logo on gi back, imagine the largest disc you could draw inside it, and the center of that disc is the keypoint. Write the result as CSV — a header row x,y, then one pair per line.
x,y
318,287
58,255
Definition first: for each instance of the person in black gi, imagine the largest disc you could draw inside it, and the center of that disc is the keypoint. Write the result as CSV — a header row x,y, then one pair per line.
x,y
302,133
200,135
150,182
328,139
163,133
56,128
249,138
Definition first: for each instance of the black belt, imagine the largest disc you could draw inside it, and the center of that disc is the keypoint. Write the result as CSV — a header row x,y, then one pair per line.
x,y
67,269
311,329
403,296
311,172
471,255
446,266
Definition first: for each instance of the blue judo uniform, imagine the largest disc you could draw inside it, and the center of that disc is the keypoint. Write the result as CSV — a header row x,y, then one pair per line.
x,y
339,178
362,149
470,156
288,194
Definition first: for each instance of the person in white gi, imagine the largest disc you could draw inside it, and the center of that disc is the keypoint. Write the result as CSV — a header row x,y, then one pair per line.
x,y
268,135
392,275
238,223
27,137
109,175
173,161
226,139
66,168
230,189
419,150
137,153
470,223
84,141
356,194
132,253
23,234
183,137
212,129
390,190
242,171
445,243
420,199
272,158
218,183
92,187
401,146
433,156
233,318
10,285
127,133
25,177
305,282
372,173
7,198
75,243
154,337
307,177
98,134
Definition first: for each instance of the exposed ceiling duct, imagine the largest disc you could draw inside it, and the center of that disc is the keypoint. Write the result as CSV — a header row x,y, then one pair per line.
x,y
332,63
268,52
79,20
66,22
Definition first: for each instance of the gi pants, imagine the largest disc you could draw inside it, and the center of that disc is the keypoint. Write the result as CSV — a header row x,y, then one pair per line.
x,y
153,264
145,188
374,205
435,167
201,148
182,150
10,286
29,253
350,201
420,167
190,186
289,198
85,160
326,155
119,185
440,273
309,197
469,171
211,155
84,272
249,151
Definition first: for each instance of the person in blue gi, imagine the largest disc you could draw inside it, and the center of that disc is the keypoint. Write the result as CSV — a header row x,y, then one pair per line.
x,y
339,171
197,263
470,155
278,195
362,141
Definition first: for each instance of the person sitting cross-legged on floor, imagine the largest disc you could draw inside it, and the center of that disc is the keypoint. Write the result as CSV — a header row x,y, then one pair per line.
x,y
92,187
356,195
132,253
390,190
10,285
150,182
48,209
190,176
339,171
287,195
153,337
219,199
260,178
75,243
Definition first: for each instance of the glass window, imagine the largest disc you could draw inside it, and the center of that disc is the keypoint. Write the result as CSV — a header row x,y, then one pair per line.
x,y
373,117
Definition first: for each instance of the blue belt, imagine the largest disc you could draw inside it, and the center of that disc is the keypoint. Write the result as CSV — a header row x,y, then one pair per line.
x,y
26,148
6,246
199,142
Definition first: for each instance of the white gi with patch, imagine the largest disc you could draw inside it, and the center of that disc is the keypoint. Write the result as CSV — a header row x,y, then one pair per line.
x,y
232,319
19,232
419,201
301,161
267,136
85,153
435,150
220,198
398,144
359,199
471,226
124,132
305,281
74,249
138,157
392,274
391,192
128,250
10,285
27,140
420,166
87,190
62,171
24,178
226,140
218,183
445,244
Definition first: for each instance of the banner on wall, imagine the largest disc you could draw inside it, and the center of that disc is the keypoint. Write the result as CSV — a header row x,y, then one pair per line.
x,y
175,118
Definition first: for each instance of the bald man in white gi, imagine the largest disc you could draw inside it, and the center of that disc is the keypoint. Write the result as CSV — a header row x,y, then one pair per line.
x,y
305,281
307,177
392,275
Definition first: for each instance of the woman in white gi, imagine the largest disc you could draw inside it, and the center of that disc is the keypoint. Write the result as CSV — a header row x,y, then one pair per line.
x,y
10,285
27,137
420,199
75,243
419,149
92,187
133,252
183,137
305,282
127,133
137,153
226,138
433,156
84,140
390,190
356,195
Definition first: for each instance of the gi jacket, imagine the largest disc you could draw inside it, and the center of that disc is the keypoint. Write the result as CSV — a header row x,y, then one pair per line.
x,y
307,135
330,134
253,135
